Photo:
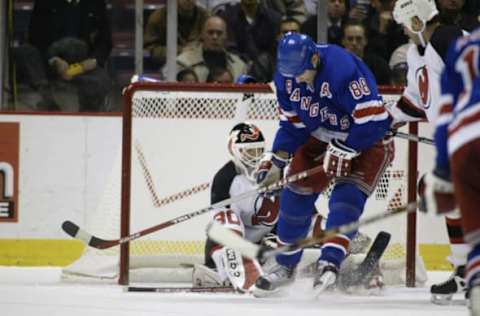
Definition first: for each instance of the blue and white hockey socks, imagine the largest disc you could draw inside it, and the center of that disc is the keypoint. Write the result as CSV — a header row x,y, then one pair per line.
x,y
345,205
294,222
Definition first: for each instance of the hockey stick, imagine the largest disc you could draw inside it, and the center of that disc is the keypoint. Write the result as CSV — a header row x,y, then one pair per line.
x,y
76,232
362,273
411,137
226,237
220,289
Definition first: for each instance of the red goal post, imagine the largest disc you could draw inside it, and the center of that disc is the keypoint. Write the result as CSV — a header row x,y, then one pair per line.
x,y
190,108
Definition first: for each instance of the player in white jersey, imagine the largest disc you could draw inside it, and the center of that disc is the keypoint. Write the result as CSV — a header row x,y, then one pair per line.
x,y
252,218
420,102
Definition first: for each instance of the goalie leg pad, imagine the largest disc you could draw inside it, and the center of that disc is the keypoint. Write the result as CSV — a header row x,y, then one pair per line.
x,y
203,276
240,272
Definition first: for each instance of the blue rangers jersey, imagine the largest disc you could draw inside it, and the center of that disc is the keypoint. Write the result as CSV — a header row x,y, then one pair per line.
x,y
343,103
459,115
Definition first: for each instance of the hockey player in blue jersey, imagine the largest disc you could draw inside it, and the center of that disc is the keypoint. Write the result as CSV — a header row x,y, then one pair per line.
x,y
330,114
455,178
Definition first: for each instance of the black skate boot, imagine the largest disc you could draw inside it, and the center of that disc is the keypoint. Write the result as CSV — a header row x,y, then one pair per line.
x,y
325,277
271,282
442,293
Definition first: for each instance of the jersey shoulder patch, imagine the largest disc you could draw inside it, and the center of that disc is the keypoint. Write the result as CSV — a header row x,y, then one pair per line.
x,y
222,182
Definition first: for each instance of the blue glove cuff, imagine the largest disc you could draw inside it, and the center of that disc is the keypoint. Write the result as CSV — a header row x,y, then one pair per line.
x,y
278,161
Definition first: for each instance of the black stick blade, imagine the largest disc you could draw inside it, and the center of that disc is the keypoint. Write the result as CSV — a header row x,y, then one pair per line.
x,y
363,272
76,232
70,228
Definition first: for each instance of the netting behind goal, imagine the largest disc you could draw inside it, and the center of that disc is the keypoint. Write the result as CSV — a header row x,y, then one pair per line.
x,y
174,141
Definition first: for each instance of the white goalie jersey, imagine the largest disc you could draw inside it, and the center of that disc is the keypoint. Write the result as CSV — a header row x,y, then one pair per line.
x,y
254,216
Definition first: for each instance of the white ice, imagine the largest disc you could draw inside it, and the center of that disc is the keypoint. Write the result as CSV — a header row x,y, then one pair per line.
x,y
40,291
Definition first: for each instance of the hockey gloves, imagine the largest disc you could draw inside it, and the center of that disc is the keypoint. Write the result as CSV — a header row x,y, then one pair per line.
x,y
436,192
270,169
338,159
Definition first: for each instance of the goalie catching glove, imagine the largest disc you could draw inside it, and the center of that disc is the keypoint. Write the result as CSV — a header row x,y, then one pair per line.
x,y
270,168
338,159
436,192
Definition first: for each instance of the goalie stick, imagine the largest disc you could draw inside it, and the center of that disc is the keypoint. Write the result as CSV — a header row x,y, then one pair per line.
x,y
228,238
76,232
213,289
362,273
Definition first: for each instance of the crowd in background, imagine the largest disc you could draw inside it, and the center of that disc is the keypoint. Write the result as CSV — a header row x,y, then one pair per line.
x,y
71,47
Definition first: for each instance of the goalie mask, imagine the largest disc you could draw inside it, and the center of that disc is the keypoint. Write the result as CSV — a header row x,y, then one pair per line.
x,y
246,146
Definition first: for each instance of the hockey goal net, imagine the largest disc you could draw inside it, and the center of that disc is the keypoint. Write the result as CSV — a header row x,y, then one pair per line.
x,y
174,141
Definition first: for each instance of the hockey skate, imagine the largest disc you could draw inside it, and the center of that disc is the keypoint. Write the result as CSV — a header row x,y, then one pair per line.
x,y
442,293
270,283
325,277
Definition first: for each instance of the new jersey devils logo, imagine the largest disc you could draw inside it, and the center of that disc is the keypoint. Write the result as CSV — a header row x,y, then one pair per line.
x,y
252,134
422,81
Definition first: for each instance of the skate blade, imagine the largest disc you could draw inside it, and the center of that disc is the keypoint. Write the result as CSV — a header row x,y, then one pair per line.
x,y
261,293
442,299
326,281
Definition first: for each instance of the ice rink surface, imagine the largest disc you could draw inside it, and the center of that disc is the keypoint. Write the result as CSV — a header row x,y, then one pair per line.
x,y
41,292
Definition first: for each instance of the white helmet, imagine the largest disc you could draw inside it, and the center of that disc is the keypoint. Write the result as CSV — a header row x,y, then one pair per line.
x,y
246,146
405,10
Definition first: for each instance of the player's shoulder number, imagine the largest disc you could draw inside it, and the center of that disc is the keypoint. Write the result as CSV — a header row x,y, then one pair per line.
x,y
359,88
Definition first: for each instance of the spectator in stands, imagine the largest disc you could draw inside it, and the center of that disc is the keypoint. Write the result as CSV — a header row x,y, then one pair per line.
x,y
337,14
68,45
384,35
262,68
75,38
355,40
359,10
191,18
211,52
398,65
310,8
464,13
251,29
294,9
220,75
187,75
288,25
